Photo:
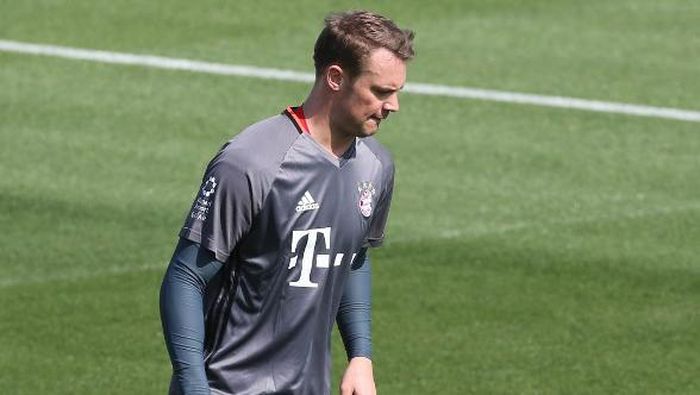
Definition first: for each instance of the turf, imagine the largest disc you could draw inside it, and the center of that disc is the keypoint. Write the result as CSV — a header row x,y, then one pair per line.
x,y
530,250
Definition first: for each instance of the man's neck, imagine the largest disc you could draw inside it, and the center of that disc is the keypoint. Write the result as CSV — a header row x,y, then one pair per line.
x,y
317,114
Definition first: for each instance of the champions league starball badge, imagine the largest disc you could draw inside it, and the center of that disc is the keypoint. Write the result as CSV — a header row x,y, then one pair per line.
x,y
367,192
209,187
200,208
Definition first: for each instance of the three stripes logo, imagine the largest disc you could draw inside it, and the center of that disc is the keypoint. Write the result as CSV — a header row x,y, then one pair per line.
x,y
306,203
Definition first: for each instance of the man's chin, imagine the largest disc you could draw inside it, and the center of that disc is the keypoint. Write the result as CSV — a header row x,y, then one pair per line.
x,y
367,132
370,128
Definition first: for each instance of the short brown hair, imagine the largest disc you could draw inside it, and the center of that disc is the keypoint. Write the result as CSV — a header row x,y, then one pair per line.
x,y
349,37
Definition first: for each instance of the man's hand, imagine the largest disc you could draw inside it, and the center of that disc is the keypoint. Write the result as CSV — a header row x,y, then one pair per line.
x,y
358,378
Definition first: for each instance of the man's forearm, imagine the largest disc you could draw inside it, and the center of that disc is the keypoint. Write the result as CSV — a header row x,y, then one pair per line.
x,y
182,314
355,312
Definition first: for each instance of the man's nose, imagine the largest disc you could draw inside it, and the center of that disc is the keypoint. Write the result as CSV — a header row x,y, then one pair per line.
x,y
392,104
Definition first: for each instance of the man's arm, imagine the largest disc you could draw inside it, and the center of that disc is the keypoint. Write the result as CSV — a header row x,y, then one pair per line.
x,y
354,323
182,313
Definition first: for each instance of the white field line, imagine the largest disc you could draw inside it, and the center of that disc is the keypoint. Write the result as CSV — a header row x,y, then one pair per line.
x,y
83,274
295,76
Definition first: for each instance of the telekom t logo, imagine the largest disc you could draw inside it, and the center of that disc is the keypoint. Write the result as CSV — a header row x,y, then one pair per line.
x,y
308,256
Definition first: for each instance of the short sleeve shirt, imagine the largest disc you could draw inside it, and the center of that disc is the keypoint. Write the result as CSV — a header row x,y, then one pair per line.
x,y
287,218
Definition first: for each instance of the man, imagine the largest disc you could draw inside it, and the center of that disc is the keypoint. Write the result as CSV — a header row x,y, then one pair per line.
x,y
273,250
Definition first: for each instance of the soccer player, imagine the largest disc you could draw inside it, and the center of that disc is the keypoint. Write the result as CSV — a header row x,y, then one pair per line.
x,y
273,250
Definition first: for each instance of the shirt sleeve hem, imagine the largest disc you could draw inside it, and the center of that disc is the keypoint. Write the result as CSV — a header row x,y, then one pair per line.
x,y
206,242
374,243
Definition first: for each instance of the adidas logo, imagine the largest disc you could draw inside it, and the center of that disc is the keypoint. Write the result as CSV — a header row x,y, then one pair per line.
x,y
306,203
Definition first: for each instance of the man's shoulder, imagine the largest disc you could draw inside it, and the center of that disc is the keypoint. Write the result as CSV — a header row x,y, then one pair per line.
x,y
261,145
380,152
273,132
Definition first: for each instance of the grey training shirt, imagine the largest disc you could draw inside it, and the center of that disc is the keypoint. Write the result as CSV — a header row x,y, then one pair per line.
x,y
287,218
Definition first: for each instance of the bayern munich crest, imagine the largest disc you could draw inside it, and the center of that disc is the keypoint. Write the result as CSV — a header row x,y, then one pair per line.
x,y
367,192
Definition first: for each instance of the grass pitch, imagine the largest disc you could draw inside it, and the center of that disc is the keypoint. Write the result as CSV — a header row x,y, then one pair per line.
x,y
530,251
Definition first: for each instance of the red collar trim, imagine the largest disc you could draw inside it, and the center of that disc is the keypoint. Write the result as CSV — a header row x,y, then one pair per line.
x,y
297,115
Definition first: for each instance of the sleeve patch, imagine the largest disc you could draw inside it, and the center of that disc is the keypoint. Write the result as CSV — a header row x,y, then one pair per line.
x,y
202,204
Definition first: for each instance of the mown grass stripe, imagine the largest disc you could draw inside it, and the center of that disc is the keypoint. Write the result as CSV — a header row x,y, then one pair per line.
x,y
81,274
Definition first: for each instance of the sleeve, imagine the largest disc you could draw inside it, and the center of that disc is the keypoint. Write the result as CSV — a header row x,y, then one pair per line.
x,y
375,237
222,212
354,316
182,314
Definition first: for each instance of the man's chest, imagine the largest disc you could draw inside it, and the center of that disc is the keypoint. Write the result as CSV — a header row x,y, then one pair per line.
x,y
316,215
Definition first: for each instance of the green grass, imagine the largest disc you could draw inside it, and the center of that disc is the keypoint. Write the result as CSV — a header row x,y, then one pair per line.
x,y
530,250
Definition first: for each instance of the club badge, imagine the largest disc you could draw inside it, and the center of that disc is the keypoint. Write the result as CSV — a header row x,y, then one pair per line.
x,y
367,192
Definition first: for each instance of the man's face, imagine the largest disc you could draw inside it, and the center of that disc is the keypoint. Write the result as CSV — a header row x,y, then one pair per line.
x,y
369,98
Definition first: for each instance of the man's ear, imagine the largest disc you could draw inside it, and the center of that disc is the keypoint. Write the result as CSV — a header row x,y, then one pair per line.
x,y
335,77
